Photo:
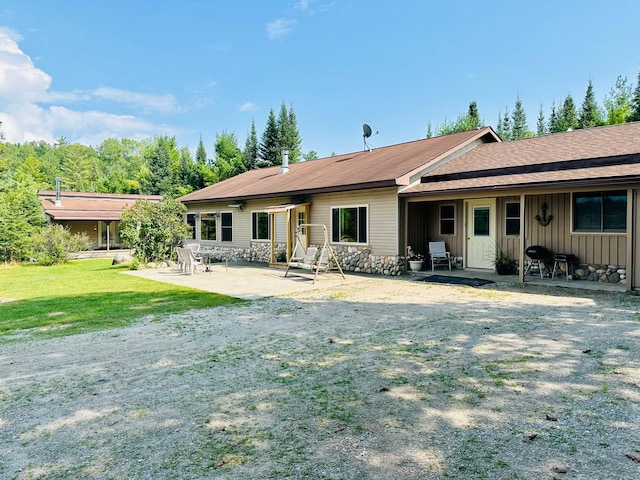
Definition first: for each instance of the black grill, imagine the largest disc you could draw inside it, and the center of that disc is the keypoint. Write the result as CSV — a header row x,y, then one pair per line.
x,y
536,252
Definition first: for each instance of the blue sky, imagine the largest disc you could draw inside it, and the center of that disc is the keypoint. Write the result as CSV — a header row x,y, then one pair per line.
x,y
92,70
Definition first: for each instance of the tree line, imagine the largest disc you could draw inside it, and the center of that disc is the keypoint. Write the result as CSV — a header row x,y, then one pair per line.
x,y
621,105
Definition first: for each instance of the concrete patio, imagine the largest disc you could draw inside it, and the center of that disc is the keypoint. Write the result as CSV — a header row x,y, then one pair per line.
x,y
253,281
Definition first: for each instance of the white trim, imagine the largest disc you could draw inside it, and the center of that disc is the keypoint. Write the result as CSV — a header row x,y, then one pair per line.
x,y
368,223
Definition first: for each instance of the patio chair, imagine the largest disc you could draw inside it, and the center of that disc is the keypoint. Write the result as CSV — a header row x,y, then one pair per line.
x,y
190,262
439,255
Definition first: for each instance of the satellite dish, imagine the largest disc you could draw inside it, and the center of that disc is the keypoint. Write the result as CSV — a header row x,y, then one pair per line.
x,y
366,133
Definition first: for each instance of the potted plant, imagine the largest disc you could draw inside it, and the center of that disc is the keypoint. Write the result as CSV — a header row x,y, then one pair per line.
x,y
504,265
415,260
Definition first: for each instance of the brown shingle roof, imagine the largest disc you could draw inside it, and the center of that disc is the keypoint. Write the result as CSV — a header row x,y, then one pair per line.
x,y
597,154
89,206
386,166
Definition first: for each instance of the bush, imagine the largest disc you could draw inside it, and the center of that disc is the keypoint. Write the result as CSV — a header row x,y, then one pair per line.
x,y
55,244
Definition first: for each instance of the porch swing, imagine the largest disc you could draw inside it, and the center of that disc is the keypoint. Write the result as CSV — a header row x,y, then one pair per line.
x,y
311,258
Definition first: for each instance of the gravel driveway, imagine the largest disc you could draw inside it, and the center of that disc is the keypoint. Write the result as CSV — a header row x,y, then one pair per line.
x,y
372,379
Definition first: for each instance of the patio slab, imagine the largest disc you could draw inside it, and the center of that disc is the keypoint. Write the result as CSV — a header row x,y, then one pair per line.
x,y
249,281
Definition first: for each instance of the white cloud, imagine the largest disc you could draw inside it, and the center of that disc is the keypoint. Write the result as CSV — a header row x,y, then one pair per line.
x,y
279,28
248,107
24,89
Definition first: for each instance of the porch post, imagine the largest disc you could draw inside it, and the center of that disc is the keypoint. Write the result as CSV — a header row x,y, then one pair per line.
x,y
288,245
522,238
272,233
632,241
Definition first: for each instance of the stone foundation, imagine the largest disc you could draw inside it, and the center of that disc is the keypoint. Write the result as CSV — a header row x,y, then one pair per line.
x,y
601,273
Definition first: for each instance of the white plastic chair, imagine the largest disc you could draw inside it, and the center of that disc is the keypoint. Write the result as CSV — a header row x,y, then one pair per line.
x,y
439,255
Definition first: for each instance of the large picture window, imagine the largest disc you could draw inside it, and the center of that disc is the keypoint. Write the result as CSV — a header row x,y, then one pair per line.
x,y
226,220
349,225
600,212
447,219
260,226
512,218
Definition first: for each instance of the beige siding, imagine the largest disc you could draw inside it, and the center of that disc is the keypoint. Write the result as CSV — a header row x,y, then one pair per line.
x,y
89,227
382,211
592,248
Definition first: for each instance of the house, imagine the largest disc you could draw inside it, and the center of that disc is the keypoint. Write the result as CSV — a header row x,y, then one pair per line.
x,y
575,193
254,215
95,214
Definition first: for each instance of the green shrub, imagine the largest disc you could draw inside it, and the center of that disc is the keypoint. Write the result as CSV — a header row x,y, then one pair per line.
x,y
55,244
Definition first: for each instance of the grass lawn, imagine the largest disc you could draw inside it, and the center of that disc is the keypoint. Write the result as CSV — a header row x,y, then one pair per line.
x,y
86,295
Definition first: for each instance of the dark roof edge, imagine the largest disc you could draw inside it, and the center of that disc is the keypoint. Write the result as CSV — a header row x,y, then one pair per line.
x,y
311,191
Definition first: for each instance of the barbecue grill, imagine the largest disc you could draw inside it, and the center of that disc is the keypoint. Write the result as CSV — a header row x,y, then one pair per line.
x,y
538,256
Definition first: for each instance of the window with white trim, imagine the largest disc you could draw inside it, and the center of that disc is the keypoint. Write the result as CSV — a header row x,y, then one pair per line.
x,y
208,225
512,218
349,224
260,226
447,219
600,211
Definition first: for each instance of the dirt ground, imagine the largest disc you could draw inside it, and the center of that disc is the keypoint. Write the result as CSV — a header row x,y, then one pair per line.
x,y
373,378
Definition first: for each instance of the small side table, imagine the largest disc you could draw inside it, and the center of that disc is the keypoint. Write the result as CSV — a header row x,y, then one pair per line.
x,y
563,258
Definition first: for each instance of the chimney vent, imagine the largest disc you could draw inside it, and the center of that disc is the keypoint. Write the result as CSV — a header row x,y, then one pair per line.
x,y
58,202
285,161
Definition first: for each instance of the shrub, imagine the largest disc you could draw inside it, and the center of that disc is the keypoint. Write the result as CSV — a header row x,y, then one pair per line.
x,y
55,244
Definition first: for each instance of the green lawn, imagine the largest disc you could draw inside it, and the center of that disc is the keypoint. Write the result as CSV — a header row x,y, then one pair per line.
x,y
86,295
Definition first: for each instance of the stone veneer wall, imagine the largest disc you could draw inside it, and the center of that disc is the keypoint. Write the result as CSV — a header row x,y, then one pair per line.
x,y
352,259
601,273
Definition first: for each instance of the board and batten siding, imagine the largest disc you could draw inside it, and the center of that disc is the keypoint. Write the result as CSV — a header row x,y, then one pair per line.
x,y
589,247
383,225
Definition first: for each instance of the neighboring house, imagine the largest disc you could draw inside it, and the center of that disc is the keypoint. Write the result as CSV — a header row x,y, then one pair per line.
x,y
95,214
477,194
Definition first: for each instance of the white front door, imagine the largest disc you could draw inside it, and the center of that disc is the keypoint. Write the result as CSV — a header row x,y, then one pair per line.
x,y
481,233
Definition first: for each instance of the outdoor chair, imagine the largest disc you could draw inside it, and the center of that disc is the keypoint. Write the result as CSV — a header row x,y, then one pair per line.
x,y
189,261
439,255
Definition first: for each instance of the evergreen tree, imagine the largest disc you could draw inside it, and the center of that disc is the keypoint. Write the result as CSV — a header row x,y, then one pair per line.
x,y
635,106
474,115
590,115
553,119
201,153
311,155
542,126
567,117
228,156
429,131
269,150
289,137
160,178
618,102
519,127
250,152
499,129
506,125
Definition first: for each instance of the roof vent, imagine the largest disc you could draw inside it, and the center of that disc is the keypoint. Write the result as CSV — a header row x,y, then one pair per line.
x,y
285,161
58,202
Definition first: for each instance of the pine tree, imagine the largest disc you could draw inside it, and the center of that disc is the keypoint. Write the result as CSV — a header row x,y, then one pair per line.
x,y
250,153
506,125
635,106
590,115
474,115
429,130
269,150
160,179
542,126
201,153
553,119
519,128
499,129
289,137
567,117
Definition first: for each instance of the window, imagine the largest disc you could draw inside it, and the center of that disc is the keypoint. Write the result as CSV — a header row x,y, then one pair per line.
x,y
349,224
191,221
226,226
600,212
447,219
481,221
512,218
208,226
260,226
